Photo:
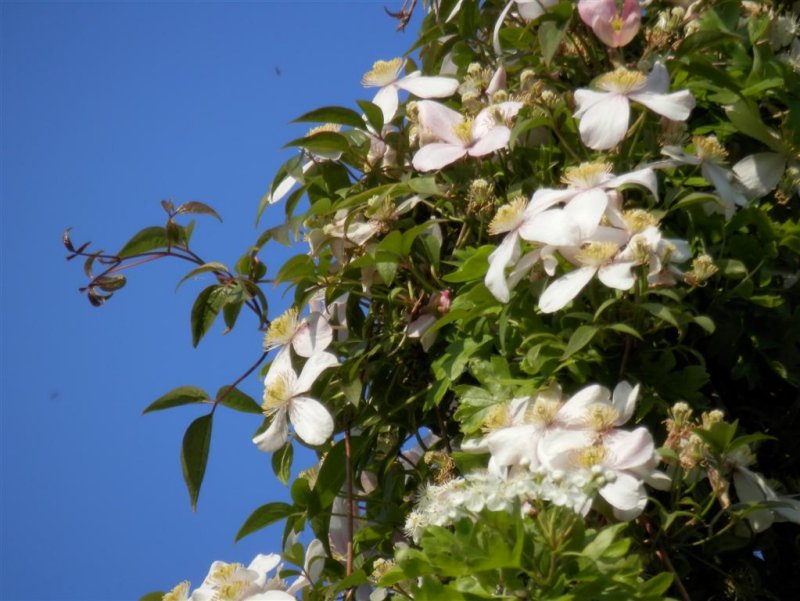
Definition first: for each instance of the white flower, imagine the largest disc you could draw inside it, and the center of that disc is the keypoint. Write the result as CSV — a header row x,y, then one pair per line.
x,y
458,136
285,399
386,76
308,336
599,255
710,155
604,115
234,582
620,456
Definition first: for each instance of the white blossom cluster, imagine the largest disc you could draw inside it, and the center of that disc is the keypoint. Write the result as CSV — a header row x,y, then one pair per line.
x,y
580,437
445,504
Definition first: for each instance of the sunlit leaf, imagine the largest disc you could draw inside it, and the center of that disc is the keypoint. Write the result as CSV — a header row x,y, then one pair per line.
x,y
183,395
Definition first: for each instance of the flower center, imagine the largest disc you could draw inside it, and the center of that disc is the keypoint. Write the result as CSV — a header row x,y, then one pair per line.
x,y
508,216
600,416
497,418
276,395
233,591
590,456
709,147
179,593
224,573
281,329
327,127
464,131
617,23
622,81
383,73
596,253
543,411
587,175
638,220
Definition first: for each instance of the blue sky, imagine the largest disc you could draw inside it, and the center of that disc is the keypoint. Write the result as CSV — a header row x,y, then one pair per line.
x,y
107,108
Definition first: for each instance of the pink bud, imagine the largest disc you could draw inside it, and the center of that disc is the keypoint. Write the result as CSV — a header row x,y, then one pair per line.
x,y
614,29
444,301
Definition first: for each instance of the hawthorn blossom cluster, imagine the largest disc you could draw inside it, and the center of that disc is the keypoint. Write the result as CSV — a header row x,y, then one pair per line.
x,y
445,504
579,436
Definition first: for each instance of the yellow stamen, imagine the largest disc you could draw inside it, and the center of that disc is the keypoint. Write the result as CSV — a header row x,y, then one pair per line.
x,y
232,591
223,573
276,395
544,411
497,418
464,131
622,80
600,416
638,220
587,175
617,23
709,147
179,593
596,253
281,329
589,456
383,73
508,216
327,127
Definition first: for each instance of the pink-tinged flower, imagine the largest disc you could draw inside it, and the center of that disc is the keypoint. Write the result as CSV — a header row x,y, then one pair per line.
x,y
598,255
614,28
604,115
623,457
286,400
459,136
386,76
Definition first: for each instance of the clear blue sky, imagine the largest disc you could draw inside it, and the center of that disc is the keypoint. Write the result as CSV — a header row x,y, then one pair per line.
x,y
108,107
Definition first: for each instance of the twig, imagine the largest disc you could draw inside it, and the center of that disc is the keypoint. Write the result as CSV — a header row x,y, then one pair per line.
x,y
348,475
250,370
663,557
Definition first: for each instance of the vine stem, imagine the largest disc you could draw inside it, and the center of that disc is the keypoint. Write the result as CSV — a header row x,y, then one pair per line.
x,y
348,475
663,557
250,370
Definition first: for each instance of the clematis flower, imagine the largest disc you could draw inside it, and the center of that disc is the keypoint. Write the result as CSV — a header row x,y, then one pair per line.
x,y
386,76
307,336
604,115
598,255
285,400
458,136
234,582
614,28
621,456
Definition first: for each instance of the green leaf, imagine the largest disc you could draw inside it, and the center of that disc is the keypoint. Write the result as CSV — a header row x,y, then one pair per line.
x,y
745,117
230,313
662,312
373,113
550,36
183,395
150,238
625,329
194,454
110,283
282,462
474,267
263,517
332,114
196,208
580,338
204,311
706,323
205,268
237,400
322,142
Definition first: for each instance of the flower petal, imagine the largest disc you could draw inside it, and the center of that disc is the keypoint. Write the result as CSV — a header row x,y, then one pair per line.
x,y
515,445
586,210
676,106
617,275
495,278
759,173
565,288
554,226
624,401
314,334
644,177
387,100
629,450
274,437
440,121
263,564
437,155
428,87
493,139
604,124
311,420
625,493
313,367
